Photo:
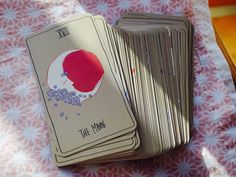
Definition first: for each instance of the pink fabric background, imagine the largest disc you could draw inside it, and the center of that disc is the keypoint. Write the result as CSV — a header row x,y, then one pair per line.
x,y
24,146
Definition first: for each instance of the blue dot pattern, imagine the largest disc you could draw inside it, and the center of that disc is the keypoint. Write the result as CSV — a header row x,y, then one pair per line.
x,y
64,95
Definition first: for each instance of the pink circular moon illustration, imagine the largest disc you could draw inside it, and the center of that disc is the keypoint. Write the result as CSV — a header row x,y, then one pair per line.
x,y
83,69
77,71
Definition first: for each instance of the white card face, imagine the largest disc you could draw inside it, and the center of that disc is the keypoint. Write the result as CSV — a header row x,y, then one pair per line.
x,y
83,101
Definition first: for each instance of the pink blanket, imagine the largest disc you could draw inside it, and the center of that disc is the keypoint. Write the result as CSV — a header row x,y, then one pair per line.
x,y
24,146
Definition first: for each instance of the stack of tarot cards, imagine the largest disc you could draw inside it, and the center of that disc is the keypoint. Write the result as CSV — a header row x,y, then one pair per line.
x,y
115,93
